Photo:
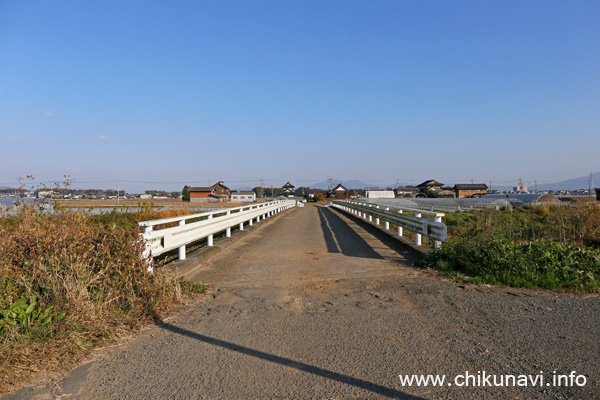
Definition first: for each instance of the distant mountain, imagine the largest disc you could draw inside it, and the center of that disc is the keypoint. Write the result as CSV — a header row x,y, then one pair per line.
x,y
569,184
572,184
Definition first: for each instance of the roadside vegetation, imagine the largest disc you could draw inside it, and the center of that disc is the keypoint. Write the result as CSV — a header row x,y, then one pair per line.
x,y
70,281
551,247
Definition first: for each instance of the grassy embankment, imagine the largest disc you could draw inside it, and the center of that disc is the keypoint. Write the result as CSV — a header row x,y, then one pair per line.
x,y
69,281
550,247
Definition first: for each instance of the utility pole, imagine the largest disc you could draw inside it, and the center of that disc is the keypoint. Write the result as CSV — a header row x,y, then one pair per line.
x,y
262,187
330,186
591,183
397,183
118,190
520,185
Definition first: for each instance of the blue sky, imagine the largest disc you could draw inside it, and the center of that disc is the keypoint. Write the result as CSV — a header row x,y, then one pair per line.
x,y
182,92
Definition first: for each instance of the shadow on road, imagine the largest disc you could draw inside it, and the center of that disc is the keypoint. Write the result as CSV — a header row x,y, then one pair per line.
x,y
340,238
348,380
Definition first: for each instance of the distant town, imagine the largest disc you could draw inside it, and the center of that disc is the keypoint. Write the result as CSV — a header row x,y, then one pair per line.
x,y
220,192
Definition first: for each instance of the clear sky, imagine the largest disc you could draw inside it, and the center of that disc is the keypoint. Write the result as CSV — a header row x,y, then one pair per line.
x,y
192,91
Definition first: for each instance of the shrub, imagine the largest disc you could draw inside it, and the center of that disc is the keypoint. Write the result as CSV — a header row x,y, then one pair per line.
x,y
69,280
548,265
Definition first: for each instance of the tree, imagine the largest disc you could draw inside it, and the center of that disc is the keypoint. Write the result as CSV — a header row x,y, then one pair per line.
x,y
185,193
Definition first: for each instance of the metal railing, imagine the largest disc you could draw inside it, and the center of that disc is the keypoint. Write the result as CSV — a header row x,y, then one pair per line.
x,y
433,228
160,241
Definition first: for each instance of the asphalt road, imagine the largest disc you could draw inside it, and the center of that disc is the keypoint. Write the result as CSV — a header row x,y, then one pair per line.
x,y
313,305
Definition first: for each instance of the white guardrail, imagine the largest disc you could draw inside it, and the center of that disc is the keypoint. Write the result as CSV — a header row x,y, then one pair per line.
x,y
435,228
160,241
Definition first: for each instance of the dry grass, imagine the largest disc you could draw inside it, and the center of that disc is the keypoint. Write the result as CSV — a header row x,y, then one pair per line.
x,y
89,268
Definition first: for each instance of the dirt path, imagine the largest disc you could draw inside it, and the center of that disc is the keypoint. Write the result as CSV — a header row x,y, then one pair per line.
x,y
314,306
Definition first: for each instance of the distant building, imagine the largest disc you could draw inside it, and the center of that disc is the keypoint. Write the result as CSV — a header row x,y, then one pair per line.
x,y
288,189
430,185
470,189
201,194
377,193
520,189
305,191
45,193
243,197
406,191
222,192
339,192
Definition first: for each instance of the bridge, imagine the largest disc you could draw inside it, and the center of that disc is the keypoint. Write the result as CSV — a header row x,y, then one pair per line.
x,y
319,303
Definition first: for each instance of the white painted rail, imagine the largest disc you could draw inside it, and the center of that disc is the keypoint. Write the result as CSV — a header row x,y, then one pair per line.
x,y
160,241
435,228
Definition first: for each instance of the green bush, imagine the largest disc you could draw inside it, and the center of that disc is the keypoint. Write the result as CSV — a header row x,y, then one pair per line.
x,y
548,265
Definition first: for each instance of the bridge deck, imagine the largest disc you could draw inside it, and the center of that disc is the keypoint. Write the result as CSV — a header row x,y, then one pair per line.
x,y
312,306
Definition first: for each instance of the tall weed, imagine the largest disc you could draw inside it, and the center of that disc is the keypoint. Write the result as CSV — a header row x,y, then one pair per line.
x,y
69,280
552,247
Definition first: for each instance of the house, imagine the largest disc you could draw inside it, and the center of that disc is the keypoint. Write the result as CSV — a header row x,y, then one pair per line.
x,y
288,189
520,189
339,192
377,193
243,197
406,191
305,191
470,189
430,185
222,192
201,194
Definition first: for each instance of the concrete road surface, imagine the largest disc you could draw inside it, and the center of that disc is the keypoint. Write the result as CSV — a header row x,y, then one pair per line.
x,y
314,305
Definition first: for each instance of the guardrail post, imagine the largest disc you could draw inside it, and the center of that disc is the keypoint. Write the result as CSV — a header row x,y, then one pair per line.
x,y
250,222
418,235
437,244
387,224
400,228
209,240
241,226
228,230
181,249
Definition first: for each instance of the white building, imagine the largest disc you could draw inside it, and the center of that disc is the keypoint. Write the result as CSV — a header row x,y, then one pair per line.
x,y
243,197
376,193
